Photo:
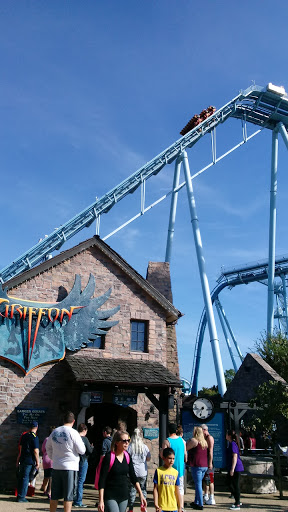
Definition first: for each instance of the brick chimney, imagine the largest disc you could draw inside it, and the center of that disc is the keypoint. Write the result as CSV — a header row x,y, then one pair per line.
x,y
158,274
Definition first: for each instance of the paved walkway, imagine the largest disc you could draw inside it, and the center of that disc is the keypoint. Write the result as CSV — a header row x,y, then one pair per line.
x,y
256,502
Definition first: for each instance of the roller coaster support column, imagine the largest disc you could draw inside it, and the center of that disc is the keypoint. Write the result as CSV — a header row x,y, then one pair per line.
x,y
272,232
173,208
204,281
230,330
225,334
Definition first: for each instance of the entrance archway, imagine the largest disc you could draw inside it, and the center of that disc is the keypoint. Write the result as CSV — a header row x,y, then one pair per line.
x,y
97,417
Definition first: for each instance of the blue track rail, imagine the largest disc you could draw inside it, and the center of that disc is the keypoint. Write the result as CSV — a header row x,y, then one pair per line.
x,y
231,278
254,105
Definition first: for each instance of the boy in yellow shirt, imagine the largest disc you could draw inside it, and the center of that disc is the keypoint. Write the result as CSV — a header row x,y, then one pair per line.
x,y
166,484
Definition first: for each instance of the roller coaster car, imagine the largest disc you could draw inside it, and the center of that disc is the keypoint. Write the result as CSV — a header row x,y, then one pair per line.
x,y
197,119
204,114
191,124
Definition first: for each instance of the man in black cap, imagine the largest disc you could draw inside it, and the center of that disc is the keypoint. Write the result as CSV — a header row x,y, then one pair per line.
x,y
28,457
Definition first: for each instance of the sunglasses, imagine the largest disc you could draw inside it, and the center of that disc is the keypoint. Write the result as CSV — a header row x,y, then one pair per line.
x,y
124,440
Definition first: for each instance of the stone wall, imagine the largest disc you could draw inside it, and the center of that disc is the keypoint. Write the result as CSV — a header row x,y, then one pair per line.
x,y
134,303
52,385
45,387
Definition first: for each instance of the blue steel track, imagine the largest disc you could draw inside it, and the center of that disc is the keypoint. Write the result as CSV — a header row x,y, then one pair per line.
x,y
255,105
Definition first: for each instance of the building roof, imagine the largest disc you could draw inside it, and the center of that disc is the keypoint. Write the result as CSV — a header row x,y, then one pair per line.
x,y
172,314
252,372
121,372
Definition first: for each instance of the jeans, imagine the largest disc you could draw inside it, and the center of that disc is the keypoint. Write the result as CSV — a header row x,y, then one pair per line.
x,y
198,475
23,481
132,491
83,467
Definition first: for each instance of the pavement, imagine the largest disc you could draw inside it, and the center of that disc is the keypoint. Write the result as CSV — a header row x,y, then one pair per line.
x,y
257,502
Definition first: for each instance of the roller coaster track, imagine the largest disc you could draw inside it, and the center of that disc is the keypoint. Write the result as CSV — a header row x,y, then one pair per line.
x,y
256,105
231,278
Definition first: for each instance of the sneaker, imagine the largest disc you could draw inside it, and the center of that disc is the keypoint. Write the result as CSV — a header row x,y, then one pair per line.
x,y
235,507
22,500
205,497
211,501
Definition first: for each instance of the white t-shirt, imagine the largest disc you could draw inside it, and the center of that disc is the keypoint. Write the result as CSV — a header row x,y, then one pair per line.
x,y
64,446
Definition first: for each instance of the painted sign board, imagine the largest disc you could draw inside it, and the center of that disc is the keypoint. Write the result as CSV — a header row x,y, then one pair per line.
x,y
216,428
151,433
35,333
25,416
125,397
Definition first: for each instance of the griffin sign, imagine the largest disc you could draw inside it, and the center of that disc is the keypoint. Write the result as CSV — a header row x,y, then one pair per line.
x,y
35,333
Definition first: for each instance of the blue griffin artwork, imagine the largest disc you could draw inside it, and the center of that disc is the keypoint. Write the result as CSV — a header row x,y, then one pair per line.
x,y
35,333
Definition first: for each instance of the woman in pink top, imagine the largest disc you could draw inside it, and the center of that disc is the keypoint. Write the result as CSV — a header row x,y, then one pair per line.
x,y
47,466
198,459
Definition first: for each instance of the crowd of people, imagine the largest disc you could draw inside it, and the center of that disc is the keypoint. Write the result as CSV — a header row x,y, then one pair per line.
x,y
65,462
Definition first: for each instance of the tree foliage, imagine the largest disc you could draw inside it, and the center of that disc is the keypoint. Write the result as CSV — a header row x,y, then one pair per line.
x,y
274,349
208,391
229,376
213,390
271,400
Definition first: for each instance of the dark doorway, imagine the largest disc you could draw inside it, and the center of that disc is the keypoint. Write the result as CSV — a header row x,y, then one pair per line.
x,y
97,417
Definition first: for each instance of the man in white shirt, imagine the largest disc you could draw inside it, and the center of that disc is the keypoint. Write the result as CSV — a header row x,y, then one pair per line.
x,y
64,447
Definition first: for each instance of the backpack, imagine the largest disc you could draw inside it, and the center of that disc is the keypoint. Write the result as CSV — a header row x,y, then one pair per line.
x,y
112,460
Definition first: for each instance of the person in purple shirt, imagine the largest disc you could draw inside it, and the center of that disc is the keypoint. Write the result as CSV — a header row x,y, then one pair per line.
x,y
234,466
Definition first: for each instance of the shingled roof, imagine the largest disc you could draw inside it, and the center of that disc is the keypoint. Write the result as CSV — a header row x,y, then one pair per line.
x,y
121,371
172,314
252,372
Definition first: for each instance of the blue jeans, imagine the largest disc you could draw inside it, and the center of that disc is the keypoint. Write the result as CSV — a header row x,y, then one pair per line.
x,y
23,481
198,475
83,467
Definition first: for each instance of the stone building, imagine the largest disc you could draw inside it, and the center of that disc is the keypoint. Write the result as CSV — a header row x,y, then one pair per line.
x,y
130,373
253,372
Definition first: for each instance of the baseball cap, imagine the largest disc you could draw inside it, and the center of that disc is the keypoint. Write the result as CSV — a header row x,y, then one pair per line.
x,y
34,424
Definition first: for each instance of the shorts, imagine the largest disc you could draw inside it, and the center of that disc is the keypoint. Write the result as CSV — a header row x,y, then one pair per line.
x,y
48,472
181,485
209,476
63,484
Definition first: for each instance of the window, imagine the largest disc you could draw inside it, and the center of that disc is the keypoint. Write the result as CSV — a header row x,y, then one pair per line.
x,y
99,342
139,335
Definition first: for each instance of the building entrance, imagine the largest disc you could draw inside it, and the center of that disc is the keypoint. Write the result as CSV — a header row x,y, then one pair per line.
x,y
99,416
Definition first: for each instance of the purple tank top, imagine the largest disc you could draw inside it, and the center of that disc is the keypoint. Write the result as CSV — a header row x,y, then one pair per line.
x,y
198,457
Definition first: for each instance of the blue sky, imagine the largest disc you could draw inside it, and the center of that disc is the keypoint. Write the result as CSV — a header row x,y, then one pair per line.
x,y
92,90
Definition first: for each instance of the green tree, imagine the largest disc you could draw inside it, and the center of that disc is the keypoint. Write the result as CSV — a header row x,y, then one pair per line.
x,y
274,349
213,390
271,400
229,376
209,391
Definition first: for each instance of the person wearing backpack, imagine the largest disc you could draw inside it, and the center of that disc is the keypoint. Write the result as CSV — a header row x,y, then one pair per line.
x,y
113,481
